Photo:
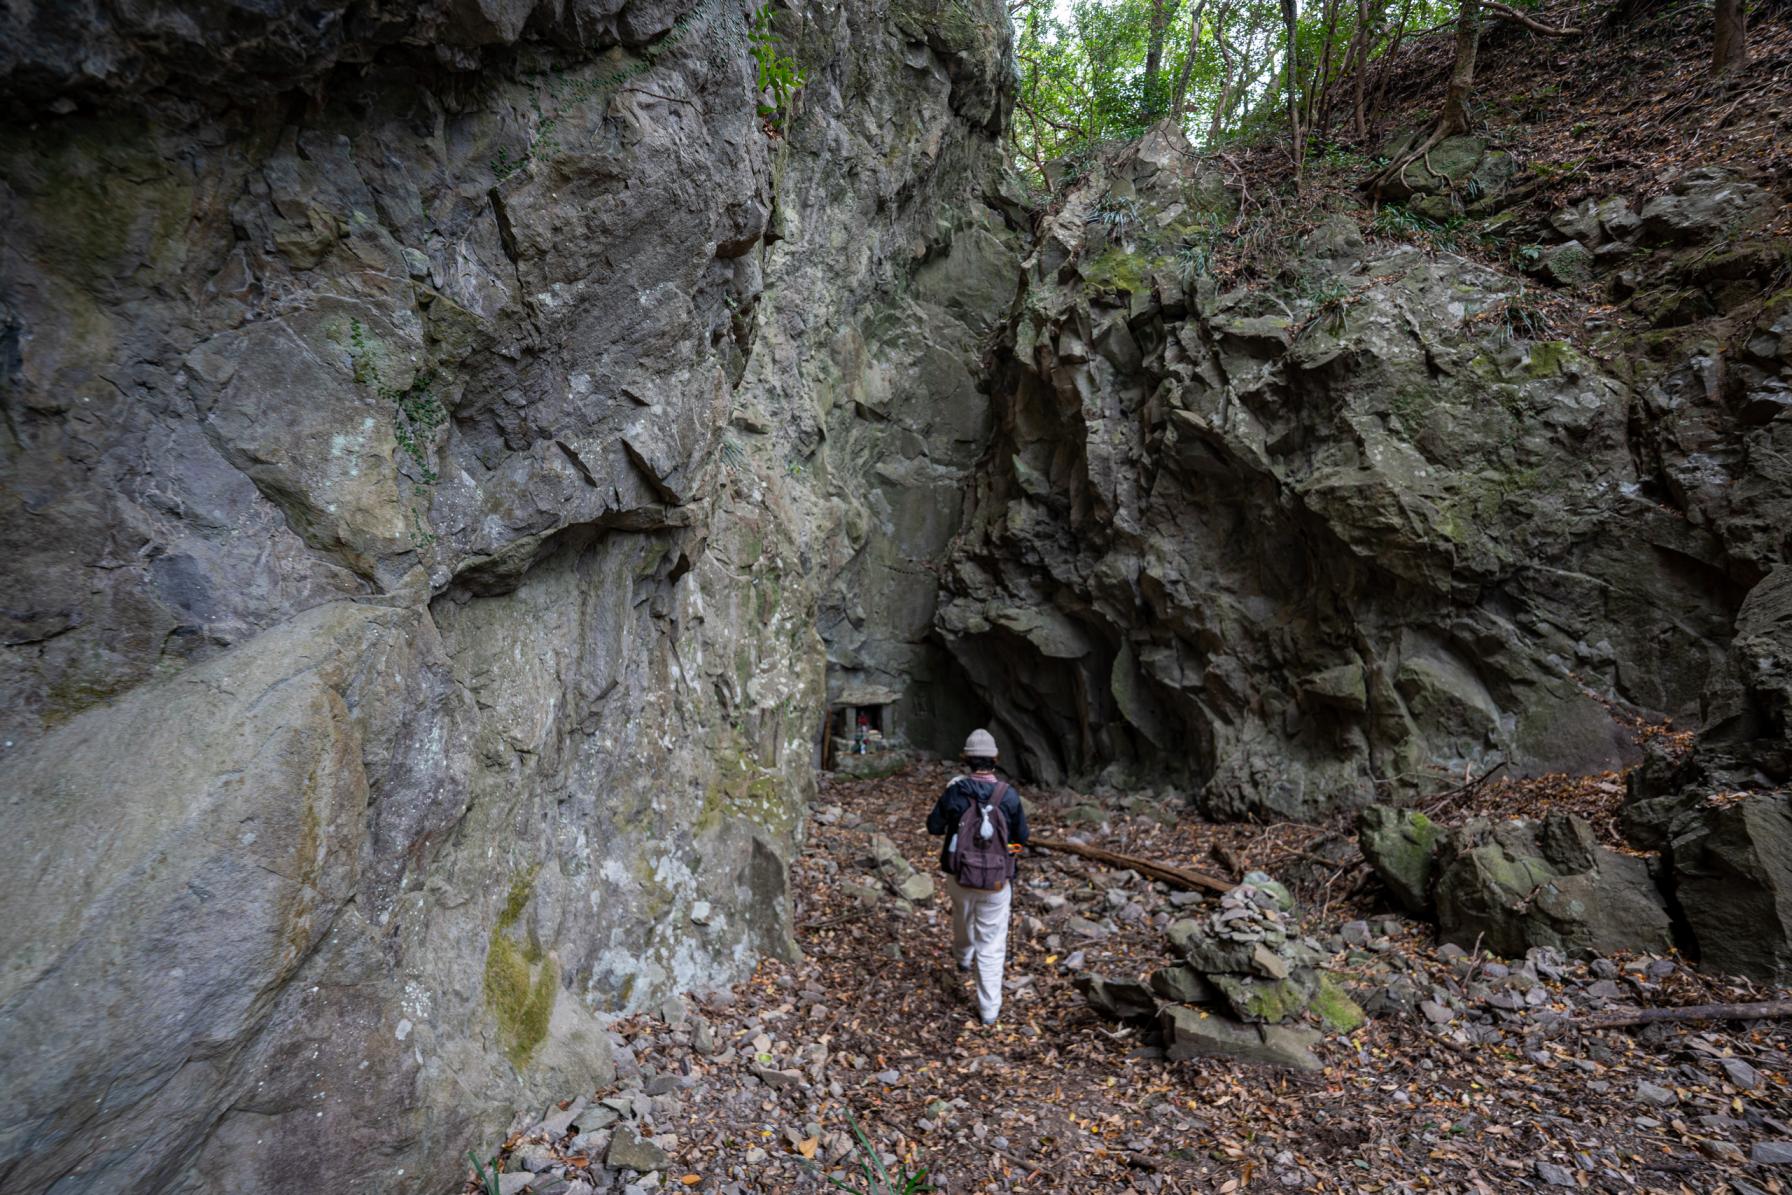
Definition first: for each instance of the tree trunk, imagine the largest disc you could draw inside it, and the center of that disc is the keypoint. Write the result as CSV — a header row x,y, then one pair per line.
x,y
1154,59
1188,61
1291,74
1359,71
1386,74
1455,118
1319,94
1225,98
1462,76
1730,46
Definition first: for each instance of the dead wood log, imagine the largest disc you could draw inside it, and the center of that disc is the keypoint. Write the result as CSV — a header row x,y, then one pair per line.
x,y
1182,877
1762,1010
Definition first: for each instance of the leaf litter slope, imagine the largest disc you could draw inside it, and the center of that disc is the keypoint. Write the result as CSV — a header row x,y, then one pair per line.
x,y
1473,1074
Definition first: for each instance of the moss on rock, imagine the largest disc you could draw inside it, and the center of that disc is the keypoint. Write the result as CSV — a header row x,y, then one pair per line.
x,y
1402,847
520,982
1338,1012
1117,269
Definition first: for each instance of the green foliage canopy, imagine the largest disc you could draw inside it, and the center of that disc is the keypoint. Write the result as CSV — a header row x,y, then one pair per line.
x,y
1098,71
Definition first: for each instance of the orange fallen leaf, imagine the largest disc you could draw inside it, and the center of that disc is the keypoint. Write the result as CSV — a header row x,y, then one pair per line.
x,y
807,1145
691,1180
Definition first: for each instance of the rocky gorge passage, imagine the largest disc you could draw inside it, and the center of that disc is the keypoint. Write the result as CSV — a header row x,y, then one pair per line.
x,y
1470,1074
457,452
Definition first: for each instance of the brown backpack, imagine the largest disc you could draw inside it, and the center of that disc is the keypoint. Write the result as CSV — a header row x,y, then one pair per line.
x,y
977,856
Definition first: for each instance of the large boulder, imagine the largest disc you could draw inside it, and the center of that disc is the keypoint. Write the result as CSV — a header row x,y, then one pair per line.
x,y
1402,847
1732,874
1704,204
1459,170
417,534
1181,984
1509,886
1117,999
1720,814
1457,574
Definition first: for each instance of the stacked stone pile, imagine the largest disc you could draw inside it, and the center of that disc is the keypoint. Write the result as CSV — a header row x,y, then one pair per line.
x,y
1245,984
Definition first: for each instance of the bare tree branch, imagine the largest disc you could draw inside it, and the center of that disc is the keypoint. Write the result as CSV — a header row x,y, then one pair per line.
x,y
1512,14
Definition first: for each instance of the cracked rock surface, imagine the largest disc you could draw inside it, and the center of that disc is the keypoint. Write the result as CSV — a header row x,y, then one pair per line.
x,y
421,490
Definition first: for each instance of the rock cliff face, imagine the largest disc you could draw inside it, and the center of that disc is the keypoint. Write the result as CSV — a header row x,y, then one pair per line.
x,y
1361,526
431,432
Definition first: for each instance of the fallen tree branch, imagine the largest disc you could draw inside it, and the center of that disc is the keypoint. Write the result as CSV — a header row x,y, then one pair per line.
x,y
1435,803
1763,1010
1182,877
1033,1169
1512,14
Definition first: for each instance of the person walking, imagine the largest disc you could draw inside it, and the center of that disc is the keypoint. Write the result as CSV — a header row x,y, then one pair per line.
x,y
985,827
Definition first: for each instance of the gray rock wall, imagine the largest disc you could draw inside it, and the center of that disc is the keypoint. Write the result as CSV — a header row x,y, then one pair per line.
x,y
888,413
429,433
1349,530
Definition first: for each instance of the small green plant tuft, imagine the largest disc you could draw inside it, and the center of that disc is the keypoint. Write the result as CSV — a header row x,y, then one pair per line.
x,y
874,1174
1340,158
1195,258
488,1178
1115,213
779,74
1522,318
416,414
734,455
1402,223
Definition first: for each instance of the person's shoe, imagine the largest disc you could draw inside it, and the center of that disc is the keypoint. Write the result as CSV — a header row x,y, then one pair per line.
x,y
965,964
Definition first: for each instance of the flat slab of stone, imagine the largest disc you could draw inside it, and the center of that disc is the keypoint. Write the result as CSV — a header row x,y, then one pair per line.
x,y
1117,999
1192,1033
629,1151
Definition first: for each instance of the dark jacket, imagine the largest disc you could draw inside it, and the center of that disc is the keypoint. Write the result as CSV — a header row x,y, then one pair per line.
x,y
959,794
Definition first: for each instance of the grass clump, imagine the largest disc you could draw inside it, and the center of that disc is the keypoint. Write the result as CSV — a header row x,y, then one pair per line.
x,y
874,1178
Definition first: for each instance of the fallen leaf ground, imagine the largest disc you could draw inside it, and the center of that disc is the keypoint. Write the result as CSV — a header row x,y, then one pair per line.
x,y
874,1022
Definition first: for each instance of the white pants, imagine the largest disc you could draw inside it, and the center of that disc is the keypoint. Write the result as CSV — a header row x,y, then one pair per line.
x,y
980,936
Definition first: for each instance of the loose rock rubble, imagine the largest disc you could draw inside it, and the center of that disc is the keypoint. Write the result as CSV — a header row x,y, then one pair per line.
x,y
1471,1073
1247,958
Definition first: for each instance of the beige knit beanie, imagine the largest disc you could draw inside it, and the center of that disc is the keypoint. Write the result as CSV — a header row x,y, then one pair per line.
x,y
981,744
